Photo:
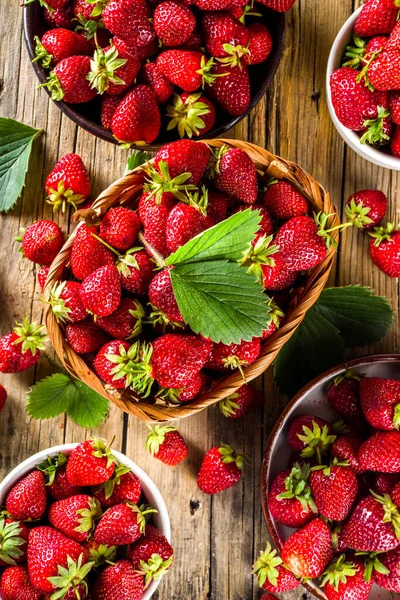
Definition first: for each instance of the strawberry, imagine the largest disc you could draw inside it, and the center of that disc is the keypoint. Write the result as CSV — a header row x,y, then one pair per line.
x,y
137,270
68,81
123,486
57,44
381,452
137,117
283,200
88,10
60,17
390,579
90,463
238,404
108,107
192,114
221,468
260,44
188,69
167,444
84,337
184,222
113,363
3,397
66,303
58,486
290,500
192,388
230,88
88,253
395,143
54,4
20,349
272,574
384,249
394,105
279,5
184,156
280,278
13,541
308,551
380,402
119,580
130,20
334,490
100,291
366,208
373,526
152,554
310,436
42,241
344,397
194,41
218,204
266,226
125,322
122,524
173,23
42,276
345,448
114,68
27,500
383,72
75,516
262,258
234,356
395,494
218,4
235,174
15,584
385,484
346,579
153,211
120,227
276,315
225,36
162,298
160,85
377,17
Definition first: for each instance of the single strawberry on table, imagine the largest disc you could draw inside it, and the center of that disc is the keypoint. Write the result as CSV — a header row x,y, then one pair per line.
x,y
384,249
345,578
91,463
152,554
272,574
309,550
290,499
366,208
41,241
167,444
221,468
20,349
238,404
119,580
122,524
380,402
15,584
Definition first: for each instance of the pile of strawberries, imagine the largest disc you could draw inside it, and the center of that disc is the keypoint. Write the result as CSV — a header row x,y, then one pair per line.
x,y
341,493
155,64
73,529
366,89
118,307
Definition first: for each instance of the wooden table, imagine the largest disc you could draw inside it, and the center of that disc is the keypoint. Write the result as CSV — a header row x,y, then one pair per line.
x,y
216,539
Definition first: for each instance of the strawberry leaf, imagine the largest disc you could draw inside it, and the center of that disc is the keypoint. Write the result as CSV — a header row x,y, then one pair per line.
x,y
16,141
135,160
87,408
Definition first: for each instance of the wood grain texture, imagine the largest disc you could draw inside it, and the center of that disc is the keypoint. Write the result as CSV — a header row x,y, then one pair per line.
x,y
216,539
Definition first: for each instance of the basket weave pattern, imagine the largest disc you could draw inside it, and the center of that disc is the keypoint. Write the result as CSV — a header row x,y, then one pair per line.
x,y
126,191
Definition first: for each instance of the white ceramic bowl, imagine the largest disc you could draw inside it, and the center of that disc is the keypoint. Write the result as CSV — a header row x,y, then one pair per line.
x,y
150,490
374,155
312,400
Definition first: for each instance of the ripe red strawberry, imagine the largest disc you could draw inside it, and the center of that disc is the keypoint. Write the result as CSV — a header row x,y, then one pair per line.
x,y
221,468
153,212
389,580
272,574
13,541
366,208
192,388
188,69
108,107
117,581
192,114
234,356
68,81
20,349
334,490
161,296
160,85
120,227
230,88
309,550
57,44
290,500
113,68
236,174
184,222
130,20
276,315
394,105
88,253
3,397
54,4
380,402
344,397
125,322
383,71
122,524
225,36
310,436
137,117
152,554
66,303
345,578
27,499
395,143
395,494
381,452
279,5
90,463
373,526
137,270
100,291
218,204
173,23
167,444
57,484
84,337
260,44
75,516
124,486
345,448
112,363
284,201
184,156
238,404
377,17
42,241
384,249
282,279
217,4
91,11
15,584
60,17
42,276
386,482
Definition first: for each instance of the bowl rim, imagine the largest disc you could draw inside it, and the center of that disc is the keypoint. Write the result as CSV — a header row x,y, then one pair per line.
x,y
351,138
99,131
278,427
150,489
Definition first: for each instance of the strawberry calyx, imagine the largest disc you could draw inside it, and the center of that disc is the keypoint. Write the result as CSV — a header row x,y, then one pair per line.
x,y
348,374
110,484
169,395
363,74
372,563
234,362
229,455
186,115
322,222
228,406
88,516
158,318
60,310
355,53
205,72
317,441
89,26
265,566
53,84
70,577
143,514
235,55
357,213
137,313
98,7
391,512
10,541
156,437
42,3
42,55
154,568
30,336
248,11
375,133
102,555
383,234
275,312
259,254
103,66
134,364
217,155
326,469
396,416
199,200
62,198
160,182
127,260
50,466
297,486
101,449
338,572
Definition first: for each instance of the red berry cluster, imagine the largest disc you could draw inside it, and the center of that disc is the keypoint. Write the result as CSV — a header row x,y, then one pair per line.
x,y
150,60
366,89
73,528
341,494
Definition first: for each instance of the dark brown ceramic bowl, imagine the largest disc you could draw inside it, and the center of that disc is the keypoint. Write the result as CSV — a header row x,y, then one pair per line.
x,y
88,115
312,400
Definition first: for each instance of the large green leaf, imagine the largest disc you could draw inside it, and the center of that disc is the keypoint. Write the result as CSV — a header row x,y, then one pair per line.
x,y
16,141
220,300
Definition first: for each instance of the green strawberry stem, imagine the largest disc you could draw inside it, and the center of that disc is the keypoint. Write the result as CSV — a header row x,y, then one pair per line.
x,y
297,486
391,512
103,67
372,563
275,312
62,198
317,441
321,220
235,55
157,318
205,72
228,406
259,254
363,75
160,182
54,86
42,55
103,555
338,571
374,128
396,416
198,200
186,115
355,53
381,234
88,516
10,541
102,449
30,336
50,466
358,214
265,566
110,484
143,512
229,455
71,577
169,395
89,26
156,437
154,568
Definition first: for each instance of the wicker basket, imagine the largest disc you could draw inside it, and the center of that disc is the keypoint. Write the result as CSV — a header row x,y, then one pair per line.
x,y
126,191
